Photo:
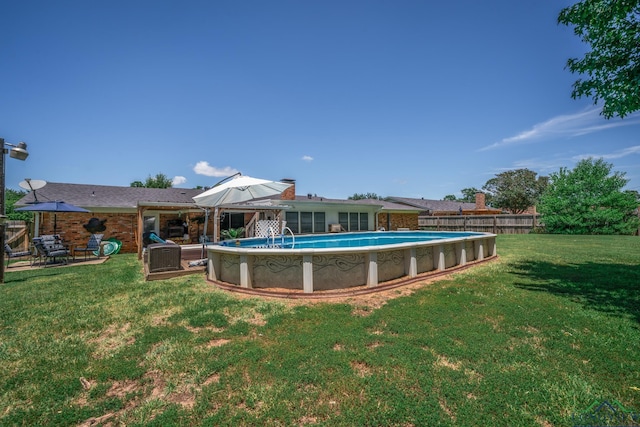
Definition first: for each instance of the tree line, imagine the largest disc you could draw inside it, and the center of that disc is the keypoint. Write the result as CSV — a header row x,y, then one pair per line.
x,y
588,199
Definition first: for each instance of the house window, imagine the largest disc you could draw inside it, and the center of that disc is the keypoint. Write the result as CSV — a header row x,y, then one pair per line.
x,y
292,221
231,220
319,222
343,219
364,221
353,221
306,222
150,224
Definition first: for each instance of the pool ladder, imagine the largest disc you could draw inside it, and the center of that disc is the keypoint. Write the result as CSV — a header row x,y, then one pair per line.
x,y
273,238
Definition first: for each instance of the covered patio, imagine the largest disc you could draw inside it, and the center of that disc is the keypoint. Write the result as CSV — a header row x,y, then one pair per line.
x,y
207,223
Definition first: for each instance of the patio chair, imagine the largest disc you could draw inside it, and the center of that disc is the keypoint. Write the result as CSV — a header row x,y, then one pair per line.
x,y
93,246
50,247
15,254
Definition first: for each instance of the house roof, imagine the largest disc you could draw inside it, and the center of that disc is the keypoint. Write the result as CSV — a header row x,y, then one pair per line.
x,y
445,207
434,205
387,205
382,204
91,196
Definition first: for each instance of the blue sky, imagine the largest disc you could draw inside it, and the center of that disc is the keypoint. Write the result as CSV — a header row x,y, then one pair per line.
x,y
398,98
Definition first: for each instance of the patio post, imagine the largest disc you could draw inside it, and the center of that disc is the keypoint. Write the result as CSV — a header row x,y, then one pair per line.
x,y
17,152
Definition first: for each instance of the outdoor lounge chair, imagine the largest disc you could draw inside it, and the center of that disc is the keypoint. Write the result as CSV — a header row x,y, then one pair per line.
x,y
15,254
49,248
93,245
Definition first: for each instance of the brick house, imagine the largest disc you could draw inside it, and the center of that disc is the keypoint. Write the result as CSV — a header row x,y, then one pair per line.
x,y
129,212
121,209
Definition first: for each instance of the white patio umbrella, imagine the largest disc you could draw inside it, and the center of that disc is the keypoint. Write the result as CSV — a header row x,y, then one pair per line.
x,y
237,189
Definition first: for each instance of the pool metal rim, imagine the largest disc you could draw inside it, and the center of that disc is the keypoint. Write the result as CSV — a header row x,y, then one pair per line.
x,y
463,235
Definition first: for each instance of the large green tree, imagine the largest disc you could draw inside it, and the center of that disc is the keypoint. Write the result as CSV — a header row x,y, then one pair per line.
x,y
589,200
11,197
468,196
158,181
612,67
515,190
364,196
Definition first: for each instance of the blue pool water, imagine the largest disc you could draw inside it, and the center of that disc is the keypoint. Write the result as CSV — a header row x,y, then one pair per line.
x,y
343,240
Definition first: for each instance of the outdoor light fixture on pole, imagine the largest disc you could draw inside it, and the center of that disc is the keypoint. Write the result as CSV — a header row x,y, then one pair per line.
x,y
17,152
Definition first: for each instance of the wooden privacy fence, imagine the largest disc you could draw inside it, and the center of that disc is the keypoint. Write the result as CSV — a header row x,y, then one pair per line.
x,y
17,235
497,224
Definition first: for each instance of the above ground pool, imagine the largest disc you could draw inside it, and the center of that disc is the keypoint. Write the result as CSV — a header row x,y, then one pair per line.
x,y
326,262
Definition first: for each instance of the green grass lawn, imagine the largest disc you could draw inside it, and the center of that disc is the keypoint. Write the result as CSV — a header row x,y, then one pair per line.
x,y
530,339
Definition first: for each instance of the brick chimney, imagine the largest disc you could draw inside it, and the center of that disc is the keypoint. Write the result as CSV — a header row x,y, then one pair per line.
x,y
289,193
480,202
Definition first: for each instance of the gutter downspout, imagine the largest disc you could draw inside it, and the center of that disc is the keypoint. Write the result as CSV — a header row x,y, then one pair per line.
x,y
204,232
138,237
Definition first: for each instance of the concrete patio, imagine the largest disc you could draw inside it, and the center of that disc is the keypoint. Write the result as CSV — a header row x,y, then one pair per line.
x,y
26,264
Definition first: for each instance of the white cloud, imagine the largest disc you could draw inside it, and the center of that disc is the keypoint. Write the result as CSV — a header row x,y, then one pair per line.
x,y
307,158
587,121
615,155
204,168
400,181
178,180
540,165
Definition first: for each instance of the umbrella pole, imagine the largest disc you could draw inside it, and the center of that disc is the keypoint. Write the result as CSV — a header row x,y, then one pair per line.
x,y
216,221
36,226
204,232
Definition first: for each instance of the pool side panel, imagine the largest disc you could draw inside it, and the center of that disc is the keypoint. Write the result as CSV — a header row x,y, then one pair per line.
x,y
339,271
230,268
277,271
449,255
470,250
424,258
391,265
